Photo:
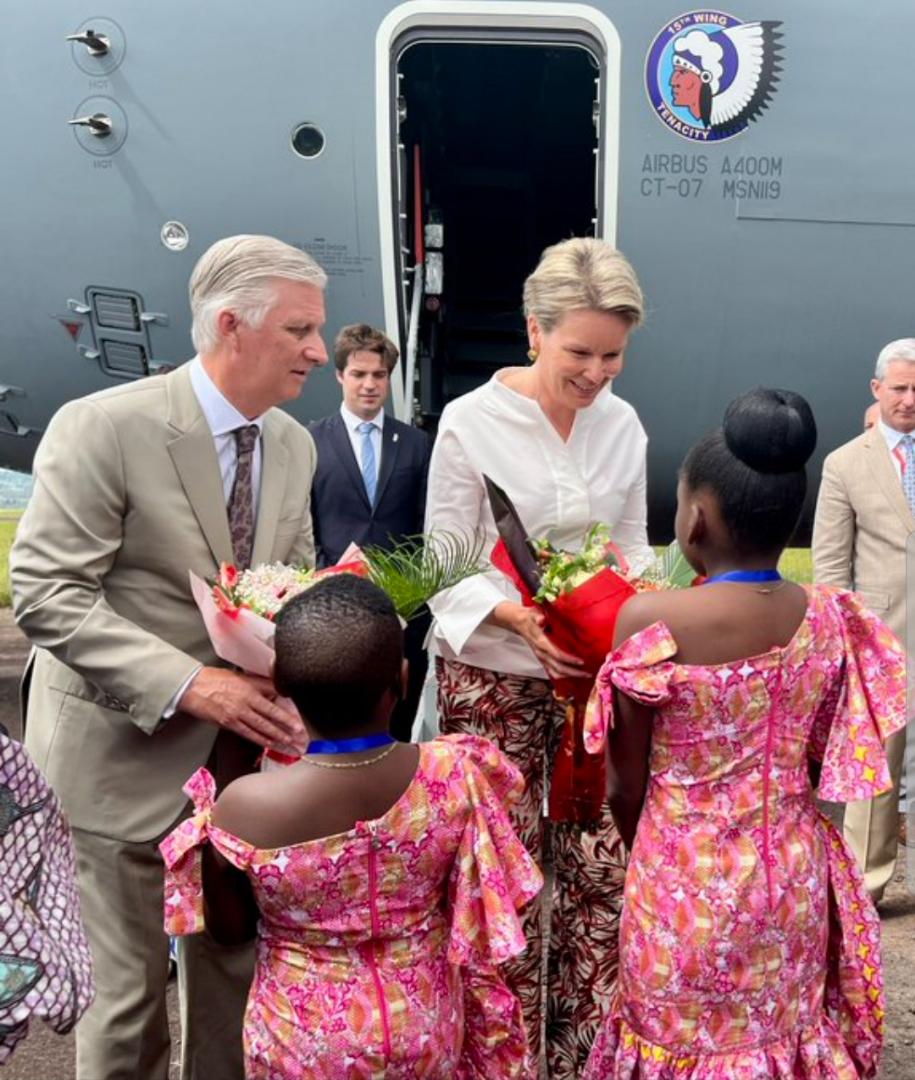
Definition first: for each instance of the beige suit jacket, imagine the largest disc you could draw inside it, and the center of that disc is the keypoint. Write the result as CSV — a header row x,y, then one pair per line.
x,y
128,497
861,527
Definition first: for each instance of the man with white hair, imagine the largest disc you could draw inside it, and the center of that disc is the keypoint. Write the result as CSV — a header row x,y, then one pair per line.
x,y
134,486
864,517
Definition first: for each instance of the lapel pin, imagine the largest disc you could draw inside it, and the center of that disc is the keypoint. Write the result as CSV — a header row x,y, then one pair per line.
x,y
396,436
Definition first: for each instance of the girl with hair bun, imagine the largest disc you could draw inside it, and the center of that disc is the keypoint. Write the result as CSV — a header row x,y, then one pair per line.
x,y
749,947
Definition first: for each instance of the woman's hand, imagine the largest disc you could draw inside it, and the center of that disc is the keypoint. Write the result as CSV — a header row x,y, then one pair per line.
x,y
528,623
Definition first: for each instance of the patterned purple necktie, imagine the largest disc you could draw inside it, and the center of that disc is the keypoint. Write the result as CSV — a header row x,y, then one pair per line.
x,y
241,501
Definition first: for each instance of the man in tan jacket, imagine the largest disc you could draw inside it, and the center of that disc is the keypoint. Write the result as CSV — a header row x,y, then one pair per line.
x,y
135,486
864,518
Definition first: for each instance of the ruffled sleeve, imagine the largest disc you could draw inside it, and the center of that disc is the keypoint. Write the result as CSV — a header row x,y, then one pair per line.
x,y
640,668
181,850
493,876
503,777
864,709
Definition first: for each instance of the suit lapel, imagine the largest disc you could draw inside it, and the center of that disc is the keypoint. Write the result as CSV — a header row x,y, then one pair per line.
x,y
884,473
274,458
390,445
339,439
193,454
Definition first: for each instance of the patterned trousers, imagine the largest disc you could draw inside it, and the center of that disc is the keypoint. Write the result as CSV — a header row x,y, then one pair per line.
x,y
521,716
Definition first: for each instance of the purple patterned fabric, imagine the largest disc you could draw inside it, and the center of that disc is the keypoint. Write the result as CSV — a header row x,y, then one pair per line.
x,y
45,964
241,501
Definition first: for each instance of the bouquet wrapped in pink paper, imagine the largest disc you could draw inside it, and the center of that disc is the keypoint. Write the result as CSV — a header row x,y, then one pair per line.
x,y
240,606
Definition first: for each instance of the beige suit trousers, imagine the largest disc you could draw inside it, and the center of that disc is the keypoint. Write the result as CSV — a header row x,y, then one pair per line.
x,y
124,1035
872,825
861,531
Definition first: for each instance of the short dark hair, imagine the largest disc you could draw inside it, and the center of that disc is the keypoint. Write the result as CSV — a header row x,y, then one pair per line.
x,y
360,337
754,465
339,647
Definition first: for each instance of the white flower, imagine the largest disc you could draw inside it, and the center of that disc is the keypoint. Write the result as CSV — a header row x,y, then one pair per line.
x,y
265,588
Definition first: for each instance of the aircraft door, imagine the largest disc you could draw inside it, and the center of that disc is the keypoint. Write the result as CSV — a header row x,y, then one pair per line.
x,y
498,154
405,255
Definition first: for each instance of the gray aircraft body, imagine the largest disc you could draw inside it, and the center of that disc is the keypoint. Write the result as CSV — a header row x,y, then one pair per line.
x,y
755,165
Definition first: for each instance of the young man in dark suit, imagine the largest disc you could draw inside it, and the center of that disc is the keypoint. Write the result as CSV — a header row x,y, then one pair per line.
x,y
369,487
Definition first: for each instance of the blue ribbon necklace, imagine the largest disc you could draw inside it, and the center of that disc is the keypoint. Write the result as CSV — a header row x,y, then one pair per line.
x,y
756,577
349,746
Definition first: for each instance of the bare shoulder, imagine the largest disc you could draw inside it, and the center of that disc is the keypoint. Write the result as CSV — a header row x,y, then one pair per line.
x,y
244,800
642,611
682,610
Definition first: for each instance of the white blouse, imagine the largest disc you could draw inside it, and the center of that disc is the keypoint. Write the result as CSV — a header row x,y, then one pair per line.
x,y
560,490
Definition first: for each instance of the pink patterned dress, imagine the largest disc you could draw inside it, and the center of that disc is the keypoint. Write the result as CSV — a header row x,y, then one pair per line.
x,y
749,948
378,948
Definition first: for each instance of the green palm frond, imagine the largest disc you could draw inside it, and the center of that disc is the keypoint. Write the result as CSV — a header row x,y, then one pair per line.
x,y
421,566
672,570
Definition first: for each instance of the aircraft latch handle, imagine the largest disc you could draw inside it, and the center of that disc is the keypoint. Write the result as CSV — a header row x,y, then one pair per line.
x,y
97,44
98,124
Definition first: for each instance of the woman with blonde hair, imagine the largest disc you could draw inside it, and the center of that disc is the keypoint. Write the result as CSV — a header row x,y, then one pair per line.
x,y
569,453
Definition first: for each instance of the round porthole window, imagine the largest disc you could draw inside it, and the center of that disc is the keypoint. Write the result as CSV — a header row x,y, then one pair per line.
x,y
174,235
308,140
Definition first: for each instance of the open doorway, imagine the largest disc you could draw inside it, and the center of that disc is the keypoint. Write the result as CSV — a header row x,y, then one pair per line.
x,y
499,155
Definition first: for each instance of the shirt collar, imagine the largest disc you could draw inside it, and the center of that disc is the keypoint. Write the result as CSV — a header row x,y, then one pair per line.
x,y
220,414
353,421
523,407
891,435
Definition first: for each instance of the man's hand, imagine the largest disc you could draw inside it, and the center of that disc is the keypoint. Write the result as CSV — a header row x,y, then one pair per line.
x,y
528,623
247,705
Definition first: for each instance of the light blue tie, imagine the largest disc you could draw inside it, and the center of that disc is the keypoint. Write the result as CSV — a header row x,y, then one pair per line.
x,y
908,476
369,477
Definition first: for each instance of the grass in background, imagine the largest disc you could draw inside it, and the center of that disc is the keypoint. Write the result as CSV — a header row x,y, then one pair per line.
x,y
796,564
9,519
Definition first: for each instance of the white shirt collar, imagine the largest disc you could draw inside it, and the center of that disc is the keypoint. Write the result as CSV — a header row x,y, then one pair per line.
x,y
220,414
523,407
353,421
891,435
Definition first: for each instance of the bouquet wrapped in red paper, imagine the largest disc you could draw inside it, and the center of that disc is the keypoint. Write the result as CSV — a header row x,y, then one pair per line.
x,y
580,595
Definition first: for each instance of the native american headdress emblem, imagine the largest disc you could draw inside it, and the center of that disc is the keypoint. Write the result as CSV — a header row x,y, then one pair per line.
x,y
708,75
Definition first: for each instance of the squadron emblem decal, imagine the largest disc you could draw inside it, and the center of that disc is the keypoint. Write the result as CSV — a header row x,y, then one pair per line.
x,y
708,74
